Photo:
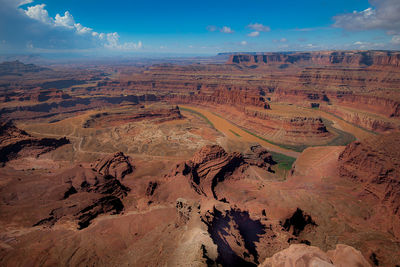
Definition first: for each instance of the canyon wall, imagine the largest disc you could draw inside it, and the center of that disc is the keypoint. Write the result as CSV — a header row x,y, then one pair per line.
x,y
348,58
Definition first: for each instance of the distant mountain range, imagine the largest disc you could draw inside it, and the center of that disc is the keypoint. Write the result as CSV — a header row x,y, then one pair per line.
x,y
18,68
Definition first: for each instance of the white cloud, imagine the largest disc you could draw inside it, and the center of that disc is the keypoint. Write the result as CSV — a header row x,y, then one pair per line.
x,y
226,29
82,29
65,21
39,13
259,27
113,43
283,40
395,40
29,45
384,14
60,27
358,43
24,2
254,34
243,43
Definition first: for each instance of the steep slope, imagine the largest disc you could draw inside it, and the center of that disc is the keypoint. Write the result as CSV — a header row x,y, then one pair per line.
x,y
375,165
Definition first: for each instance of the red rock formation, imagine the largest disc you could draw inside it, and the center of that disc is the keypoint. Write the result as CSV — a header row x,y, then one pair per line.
x,y
15,143
348,58
292,126
9,133
372,123
117,165
157,115
375,165
224,96
208,167
385,106
367,80
258,156
91,192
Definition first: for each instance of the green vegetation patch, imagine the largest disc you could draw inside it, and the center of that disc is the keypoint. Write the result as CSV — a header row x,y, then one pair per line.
x,y
198,114
283,162
298,148
235,133
342,139
355,125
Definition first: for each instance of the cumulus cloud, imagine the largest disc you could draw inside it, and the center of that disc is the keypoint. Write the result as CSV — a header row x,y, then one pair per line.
x,y
259,27
65,21
226,29
254,34
243,43
383,14
39,13
80,29
113,43
33,27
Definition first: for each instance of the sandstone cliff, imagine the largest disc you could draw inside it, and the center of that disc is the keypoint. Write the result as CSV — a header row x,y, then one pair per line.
x,y
348,58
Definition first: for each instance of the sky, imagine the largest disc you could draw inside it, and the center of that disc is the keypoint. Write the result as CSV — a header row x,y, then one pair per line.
x,y
192,27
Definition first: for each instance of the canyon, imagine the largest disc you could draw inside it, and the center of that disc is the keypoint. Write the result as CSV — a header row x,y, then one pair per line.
x,y
266,159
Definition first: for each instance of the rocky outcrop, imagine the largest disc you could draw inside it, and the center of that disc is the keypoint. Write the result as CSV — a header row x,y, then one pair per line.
x,y
15,143
292,126
156,115
82,179
84,210
373,123
9,133
91,192
307,256
117,165
223,95
212,165
370,103
375,165
208,167
258,156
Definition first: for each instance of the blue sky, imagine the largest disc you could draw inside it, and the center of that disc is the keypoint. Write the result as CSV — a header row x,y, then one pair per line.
x,y
197,27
